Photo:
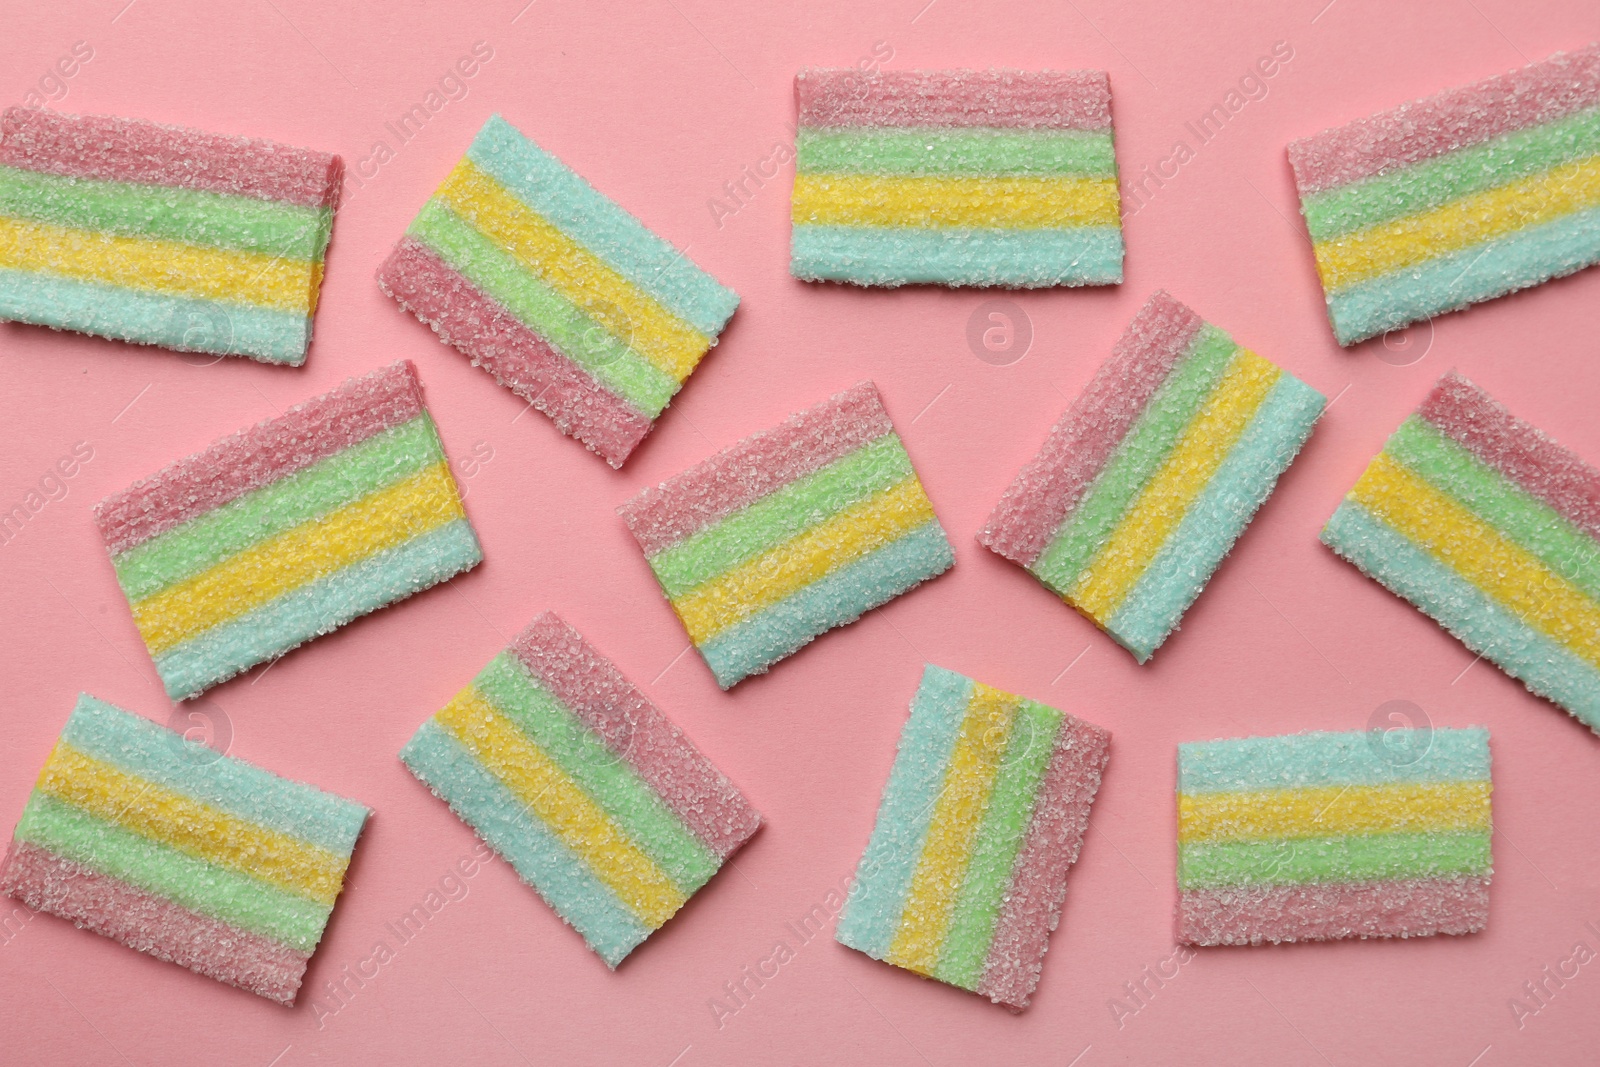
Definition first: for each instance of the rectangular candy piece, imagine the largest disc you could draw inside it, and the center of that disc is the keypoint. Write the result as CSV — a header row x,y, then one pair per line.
x,y
288,530
956,177
793,531
985,810
179,851
1321,836
1493,529
1457,198
555,290
1150,477
583,785
162,235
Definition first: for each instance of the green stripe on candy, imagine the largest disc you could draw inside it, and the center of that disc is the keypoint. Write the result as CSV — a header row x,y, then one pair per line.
x,y
607,778
564,325
211,890
1437,181
343,478
193,216
956,152
1032,742
783,515
1138,456
1360,858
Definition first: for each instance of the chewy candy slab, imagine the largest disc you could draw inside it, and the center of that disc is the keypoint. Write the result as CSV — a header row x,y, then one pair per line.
x,y
1458,198
574,777
162,235
1148,479
789,533
956,177
564,297
1320,836
1491,528
985,810
181,852
288,530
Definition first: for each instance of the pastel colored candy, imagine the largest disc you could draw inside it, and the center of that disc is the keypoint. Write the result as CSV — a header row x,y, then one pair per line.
x,y
1490,527
984,812
288,530
1457,198
560,294
181,852
1152,474
573,776
1320,836
955,177
789,533
162,235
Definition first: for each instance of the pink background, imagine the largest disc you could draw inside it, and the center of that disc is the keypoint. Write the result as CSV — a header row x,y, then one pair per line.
x,y
659,104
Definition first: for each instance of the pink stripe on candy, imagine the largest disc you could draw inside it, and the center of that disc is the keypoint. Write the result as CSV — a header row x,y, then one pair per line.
x,y
132,150
245,461
1250,915
1518,450
151,924
519,359
741,474
1541,92
1039,884
1043,99
1084,440
634,728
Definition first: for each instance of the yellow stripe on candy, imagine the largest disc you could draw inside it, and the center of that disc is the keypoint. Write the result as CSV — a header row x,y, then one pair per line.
x,y
170,268
957,815
1332,811
1460,224
313,550
562,806
198,829
1509,574
1111,575
627,312
782,571
1007,203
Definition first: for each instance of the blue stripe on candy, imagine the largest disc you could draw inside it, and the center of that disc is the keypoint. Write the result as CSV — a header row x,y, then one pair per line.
x,y
1355,757
756,643
1217,517
1387,555
872,910
318,608
883,255
182,323
137,746
555,191
1451,282
564,881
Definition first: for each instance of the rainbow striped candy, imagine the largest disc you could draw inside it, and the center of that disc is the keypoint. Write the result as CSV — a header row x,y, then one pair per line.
x,y
1148,479
789,533
560,294
181,852
577,779
985,810
956,177
288,530
1319,836
1493,529
1458,198
162,235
